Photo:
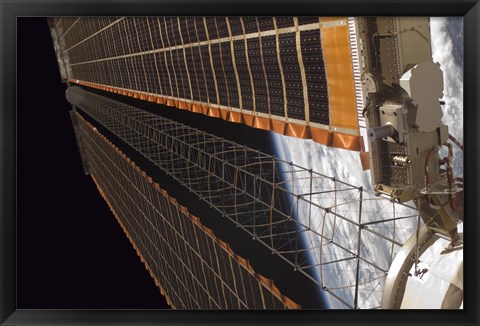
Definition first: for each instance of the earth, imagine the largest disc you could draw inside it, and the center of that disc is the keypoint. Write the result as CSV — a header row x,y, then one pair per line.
x,y
447,49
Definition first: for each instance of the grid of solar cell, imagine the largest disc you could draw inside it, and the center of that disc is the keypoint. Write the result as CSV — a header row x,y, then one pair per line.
x,y
250,24
207,69
230,76
171,72
152,73
184,30
222,28
315,74
139,35
180,73
243,72
132,34
220,74
193,74
304,20
235,25
293,78
163,75
174,33
284,22
258,74
274,78
211,27
201,31
143,36
265,23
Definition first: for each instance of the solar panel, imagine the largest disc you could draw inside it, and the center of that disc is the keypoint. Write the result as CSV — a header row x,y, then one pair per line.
x,y
294,70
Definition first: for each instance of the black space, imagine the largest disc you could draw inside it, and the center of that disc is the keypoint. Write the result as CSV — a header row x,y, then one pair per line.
x,y
71,251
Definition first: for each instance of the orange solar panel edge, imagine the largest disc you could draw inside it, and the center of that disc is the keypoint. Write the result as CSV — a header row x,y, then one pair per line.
x,y
339,71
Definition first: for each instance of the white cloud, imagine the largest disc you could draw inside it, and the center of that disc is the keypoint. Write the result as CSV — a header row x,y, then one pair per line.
x,y
443,49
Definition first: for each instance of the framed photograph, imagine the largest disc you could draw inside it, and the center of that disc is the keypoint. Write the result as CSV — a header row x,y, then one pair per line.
x,y
286,162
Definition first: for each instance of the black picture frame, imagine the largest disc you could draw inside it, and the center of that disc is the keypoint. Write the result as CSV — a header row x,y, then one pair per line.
x,y
10,10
